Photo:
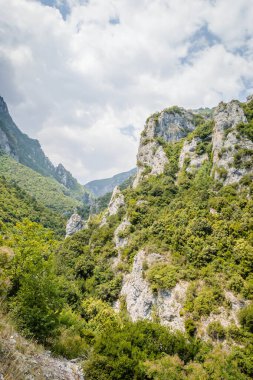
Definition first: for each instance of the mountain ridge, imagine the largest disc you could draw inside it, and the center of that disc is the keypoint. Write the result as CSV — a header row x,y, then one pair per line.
x,y
160,284
100,187
28,151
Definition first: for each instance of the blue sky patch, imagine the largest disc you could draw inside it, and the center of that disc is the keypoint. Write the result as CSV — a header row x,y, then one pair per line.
x,y
129,130
114,20
62,6
199,41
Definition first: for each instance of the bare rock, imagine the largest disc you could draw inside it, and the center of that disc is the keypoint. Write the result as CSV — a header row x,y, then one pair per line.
x,y
117,201
74,225
121,242
226,142
169,125
142,303
189,151
225,316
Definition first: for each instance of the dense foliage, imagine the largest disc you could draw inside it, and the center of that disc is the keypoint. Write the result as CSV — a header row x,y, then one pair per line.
x,y
62,292
16,204
45,190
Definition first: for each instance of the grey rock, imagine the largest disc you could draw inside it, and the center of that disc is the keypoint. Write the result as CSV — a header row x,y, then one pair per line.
x,y
117,201
121,242
142,303
189,151
226,141
225,316
169,126
249,98
74,224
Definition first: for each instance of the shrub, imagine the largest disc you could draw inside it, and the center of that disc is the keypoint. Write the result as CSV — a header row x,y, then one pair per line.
x,y
162,276
246,318
216,331
190,327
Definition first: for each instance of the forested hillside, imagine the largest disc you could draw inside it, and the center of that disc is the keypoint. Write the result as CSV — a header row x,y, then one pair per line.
x,y
45,190
160,285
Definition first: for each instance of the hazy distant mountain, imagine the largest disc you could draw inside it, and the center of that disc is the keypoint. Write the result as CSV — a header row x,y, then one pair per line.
x,y
100,187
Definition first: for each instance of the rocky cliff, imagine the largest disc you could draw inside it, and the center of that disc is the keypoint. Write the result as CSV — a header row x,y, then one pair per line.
x,y
170,125
74,224
222,140
231,149
28,151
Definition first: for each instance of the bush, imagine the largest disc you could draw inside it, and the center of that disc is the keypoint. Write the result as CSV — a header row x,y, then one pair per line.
x,y
216,331
190,327
246,318
162,276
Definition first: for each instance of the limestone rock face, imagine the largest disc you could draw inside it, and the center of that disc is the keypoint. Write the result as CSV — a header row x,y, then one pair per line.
x,y
5,146
65,177
142,302
117,201
226,317
189,151
226,141
170,125
121,242
74,225
31,364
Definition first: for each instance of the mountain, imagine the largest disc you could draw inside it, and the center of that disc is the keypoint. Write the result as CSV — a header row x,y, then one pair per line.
x,y
16,204
102,186
24,162
46,190
175,251
28,151
160,284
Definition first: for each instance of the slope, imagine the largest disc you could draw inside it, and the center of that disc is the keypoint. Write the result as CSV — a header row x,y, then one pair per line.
x,y
160,285
28,152
16,204
102,186
45,190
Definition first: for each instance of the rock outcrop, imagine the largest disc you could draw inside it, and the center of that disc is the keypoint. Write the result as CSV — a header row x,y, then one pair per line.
x,y
21,359
220,143
189,152
74,224
117,201
225,316
227,142
121,241
142,303
170,125
65,178
176,123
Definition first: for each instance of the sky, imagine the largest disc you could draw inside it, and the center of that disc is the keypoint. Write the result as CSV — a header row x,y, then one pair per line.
x,y
82,76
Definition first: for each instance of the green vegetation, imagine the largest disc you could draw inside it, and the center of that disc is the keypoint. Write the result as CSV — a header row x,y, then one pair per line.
x,y
246,129
246,318
45,190
174,110
62,292
16,204
36,296
216,331
162,276
243,158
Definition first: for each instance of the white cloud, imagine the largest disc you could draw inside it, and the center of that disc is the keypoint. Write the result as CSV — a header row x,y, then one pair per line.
x,y
78,84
